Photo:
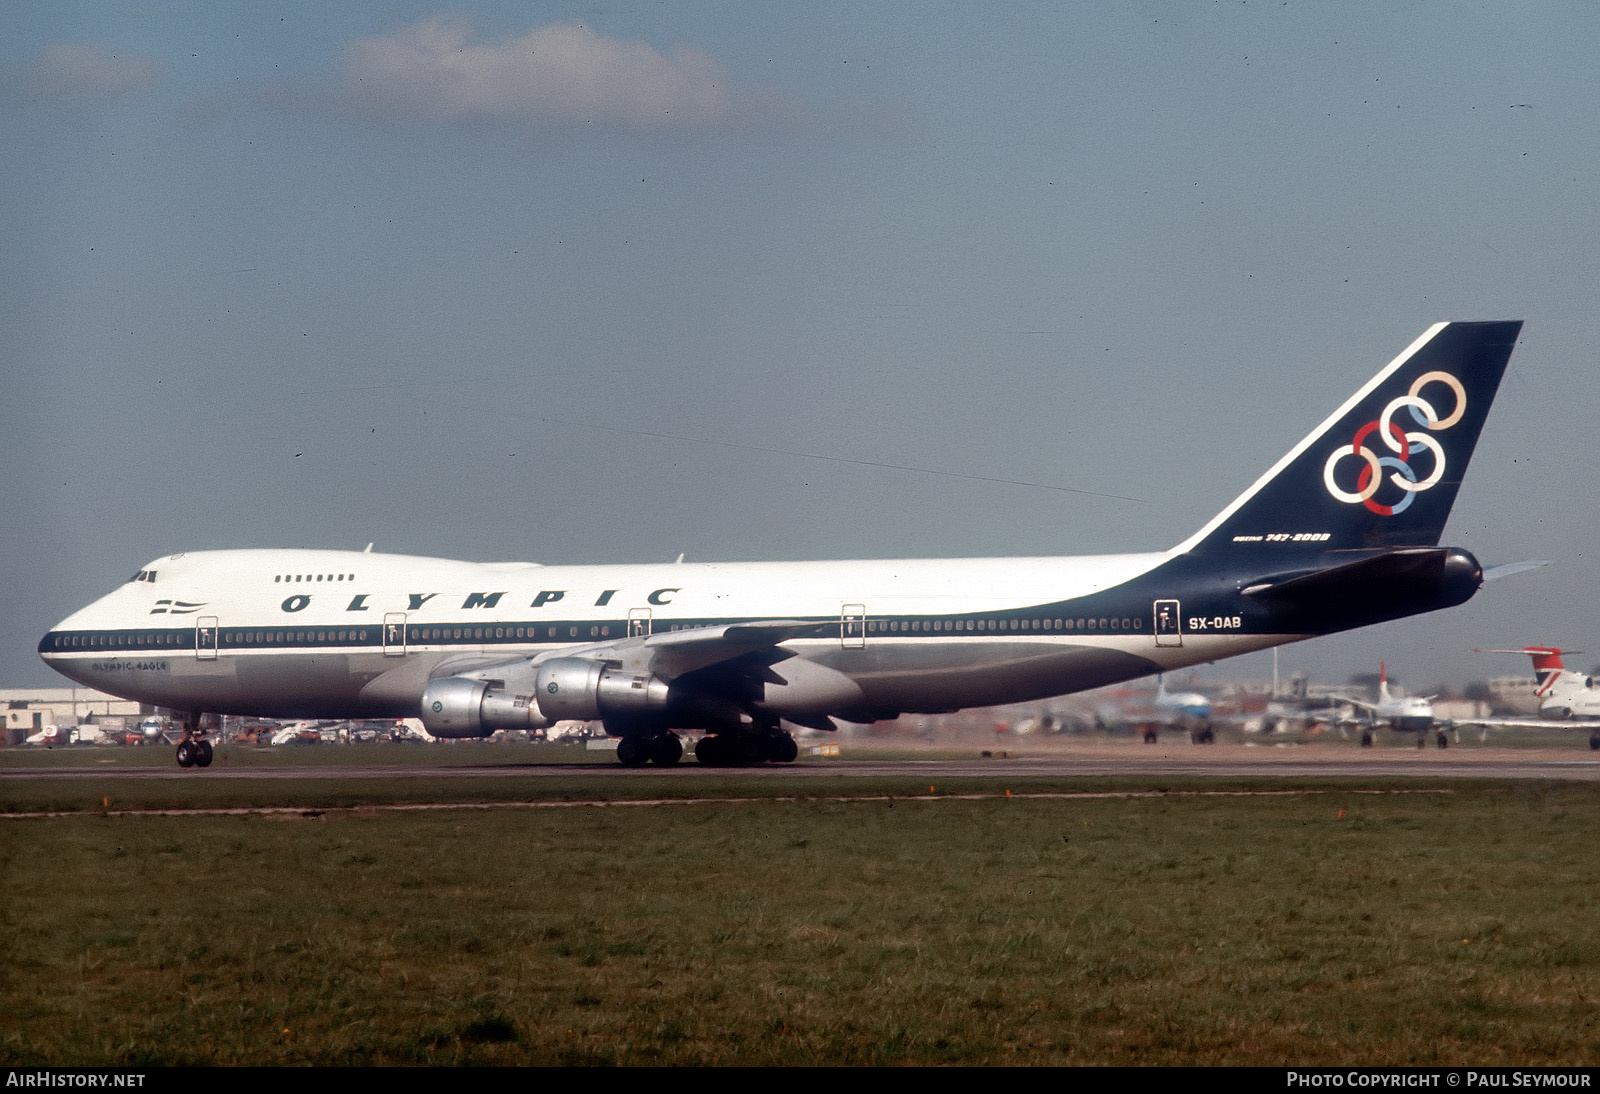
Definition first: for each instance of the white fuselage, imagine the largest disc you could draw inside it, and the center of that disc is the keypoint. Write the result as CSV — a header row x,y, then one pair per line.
x,y
1568,694
307,633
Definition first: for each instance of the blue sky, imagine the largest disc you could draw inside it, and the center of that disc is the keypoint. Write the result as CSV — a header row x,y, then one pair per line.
x,y
550,282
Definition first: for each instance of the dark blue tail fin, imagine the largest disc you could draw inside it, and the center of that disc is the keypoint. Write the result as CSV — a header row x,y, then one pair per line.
x,y
1383,470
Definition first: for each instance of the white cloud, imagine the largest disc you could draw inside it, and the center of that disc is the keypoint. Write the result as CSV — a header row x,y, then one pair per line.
x,y
82,76
562,75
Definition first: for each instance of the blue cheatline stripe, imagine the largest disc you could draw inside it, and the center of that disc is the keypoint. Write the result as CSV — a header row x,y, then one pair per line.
x,y
1039,621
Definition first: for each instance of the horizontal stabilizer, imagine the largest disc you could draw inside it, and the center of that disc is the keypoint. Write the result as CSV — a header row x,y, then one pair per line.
x,y
1545,658
1373,588
1317,585
1506,569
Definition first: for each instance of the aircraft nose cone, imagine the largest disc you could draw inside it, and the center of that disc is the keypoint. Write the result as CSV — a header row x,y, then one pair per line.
x,y
71,635
51,641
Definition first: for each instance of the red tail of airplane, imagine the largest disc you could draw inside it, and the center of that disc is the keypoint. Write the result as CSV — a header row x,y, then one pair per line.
x,y
1546,662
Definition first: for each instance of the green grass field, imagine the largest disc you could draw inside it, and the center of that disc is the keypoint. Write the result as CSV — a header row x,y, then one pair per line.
x,y
1330,927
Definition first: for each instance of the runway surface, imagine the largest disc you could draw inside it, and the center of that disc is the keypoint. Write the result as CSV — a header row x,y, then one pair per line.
x,y
1046,761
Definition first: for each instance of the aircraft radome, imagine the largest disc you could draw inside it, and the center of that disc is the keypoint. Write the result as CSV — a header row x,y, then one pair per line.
x,y
1342,532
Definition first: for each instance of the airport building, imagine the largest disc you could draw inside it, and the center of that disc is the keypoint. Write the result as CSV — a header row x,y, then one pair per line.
x,y
31,710
1515,694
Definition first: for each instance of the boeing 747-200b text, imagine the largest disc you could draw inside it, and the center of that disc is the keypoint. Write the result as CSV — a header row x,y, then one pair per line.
x,y
1342,532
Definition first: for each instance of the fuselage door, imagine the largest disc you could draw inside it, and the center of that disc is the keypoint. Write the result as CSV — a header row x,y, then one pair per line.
x,y
853,626
1169,626
394,634
638,622
205,638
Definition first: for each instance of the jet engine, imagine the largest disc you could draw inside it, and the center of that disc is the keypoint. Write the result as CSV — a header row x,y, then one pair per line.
x,y
565,689
582,690
460,707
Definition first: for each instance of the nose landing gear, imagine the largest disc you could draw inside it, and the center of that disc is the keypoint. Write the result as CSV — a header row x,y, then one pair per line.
x,y
194,750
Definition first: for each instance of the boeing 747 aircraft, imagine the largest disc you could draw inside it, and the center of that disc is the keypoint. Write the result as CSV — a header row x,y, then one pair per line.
x,y
1341,532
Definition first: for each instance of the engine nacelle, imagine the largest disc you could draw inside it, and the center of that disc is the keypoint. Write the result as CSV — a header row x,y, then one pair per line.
x,y
577,689
458,707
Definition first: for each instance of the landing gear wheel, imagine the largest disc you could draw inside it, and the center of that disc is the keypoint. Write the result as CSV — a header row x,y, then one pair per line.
x,y
1150,735
730,749
1366,738
1594,741
748,748
202,754
781,749
186,752
1441,740
666,750
710,751
632,752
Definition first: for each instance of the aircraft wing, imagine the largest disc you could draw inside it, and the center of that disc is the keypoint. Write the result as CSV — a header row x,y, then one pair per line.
x,y
1506,569
670,654
1353,713
728,667
666,654
1576,724
739,655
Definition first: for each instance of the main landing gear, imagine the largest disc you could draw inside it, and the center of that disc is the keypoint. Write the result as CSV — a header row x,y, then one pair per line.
x,y
736,738
1201,733
665,749
728,748
746,746
194,750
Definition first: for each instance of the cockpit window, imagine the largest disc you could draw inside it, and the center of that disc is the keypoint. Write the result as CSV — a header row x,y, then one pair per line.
x,y
144,575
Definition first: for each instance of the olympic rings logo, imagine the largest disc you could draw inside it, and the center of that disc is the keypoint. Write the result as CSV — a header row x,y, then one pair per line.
x,y
1402,444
